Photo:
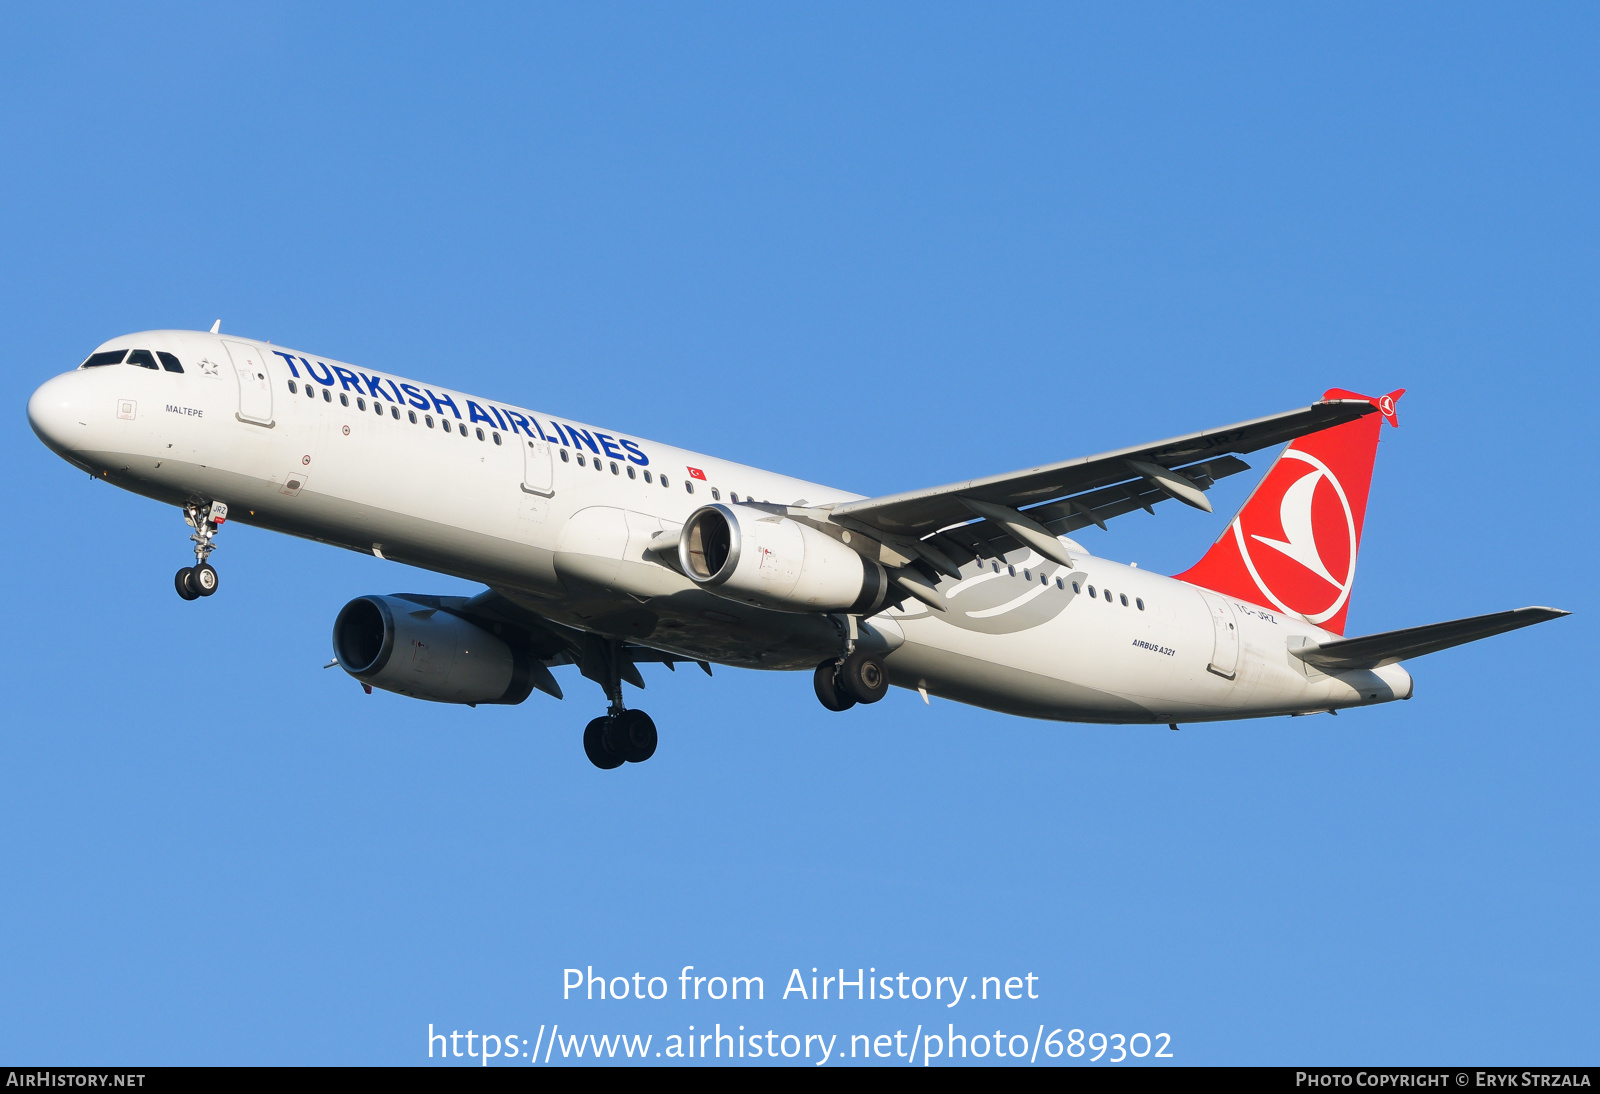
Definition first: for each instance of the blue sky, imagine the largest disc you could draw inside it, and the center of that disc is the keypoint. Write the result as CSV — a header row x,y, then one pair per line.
x,y
882,248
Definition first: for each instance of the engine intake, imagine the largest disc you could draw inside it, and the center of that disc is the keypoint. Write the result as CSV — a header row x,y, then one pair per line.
x,y
772,561
412,649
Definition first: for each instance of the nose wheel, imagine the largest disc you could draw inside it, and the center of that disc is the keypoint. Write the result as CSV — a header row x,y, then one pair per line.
x,y
193,582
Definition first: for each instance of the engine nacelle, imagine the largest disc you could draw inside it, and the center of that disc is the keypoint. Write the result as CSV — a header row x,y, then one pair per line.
x,y
412,649
761,558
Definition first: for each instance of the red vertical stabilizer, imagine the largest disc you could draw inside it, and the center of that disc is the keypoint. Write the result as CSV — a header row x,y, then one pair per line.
x,y
1293,545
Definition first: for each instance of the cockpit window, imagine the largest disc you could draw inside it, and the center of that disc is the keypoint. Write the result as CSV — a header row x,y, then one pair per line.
x,y
109,357
169,362
142,358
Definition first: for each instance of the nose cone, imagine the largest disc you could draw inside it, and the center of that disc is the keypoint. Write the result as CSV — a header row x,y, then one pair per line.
x,y
59,412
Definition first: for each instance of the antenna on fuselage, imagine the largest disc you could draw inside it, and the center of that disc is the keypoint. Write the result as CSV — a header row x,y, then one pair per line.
x,y
216,328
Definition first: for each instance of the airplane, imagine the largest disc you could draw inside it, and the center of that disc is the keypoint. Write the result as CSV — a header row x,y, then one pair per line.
x,y
606,551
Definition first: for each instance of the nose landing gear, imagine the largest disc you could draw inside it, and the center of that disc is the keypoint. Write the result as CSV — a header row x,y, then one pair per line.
x,y
193,582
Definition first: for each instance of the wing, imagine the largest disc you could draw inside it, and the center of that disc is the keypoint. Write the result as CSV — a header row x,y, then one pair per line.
x,y
938,523
1376,650
549,643
926,510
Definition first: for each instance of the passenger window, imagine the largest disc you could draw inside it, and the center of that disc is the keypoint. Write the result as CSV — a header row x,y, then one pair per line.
x,y
109,357
688,486
664,482
344,400
598,466
647,477
1139,602
996,566
716,495
394,412
1091,592
496,437
310,392
615,470
1011,571
327,396
1124,598
1075,587
1108,596
377,406
1027,575
563,455
143,359
412,414
169,362
630,471
444,424
428,419
580,460
1043,580
294,388
480,436
361,404
733,497
1060,584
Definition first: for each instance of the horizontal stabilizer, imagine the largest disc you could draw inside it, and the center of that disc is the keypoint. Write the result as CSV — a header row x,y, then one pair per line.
x,y
1376,650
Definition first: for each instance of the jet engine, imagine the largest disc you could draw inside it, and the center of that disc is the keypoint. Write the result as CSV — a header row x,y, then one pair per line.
x,y
769,560
410,648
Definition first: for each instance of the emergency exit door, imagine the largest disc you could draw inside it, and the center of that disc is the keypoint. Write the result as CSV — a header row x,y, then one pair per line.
x,y
538,470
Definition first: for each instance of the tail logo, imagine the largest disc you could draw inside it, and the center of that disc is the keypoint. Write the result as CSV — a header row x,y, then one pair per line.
x,y
1303,574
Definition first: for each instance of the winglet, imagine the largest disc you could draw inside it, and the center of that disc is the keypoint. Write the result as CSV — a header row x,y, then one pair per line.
x,y
216,328
1384,403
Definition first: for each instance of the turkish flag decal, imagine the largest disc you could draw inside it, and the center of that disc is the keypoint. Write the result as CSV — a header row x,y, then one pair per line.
x,y
695,472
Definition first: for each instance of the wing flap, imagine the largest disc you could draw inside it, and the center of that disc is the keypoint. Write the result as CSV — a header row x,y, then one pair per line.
x,y
1376,650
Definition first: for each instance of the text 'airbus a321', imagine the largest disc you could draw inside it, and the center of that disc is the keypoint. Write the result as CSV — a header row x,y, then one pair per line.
x,y
604,551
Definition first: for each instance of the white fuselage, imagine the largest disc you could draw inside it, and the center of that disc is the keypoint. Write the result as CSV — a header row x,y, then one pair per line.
x,y
558,516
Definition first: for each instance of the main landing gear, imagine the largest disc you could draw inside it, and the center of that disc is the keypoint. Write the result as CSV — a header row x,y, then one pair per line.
x,y
857,677
621,736
199,580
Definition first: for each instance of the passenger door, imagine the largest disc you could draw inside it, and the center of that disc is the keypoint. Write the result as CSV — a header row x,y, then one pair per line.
x,y
255,385
1225,629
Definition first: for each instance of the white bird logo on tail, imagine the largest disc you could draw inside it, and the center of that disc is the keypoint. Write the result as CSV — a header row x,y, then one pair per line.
x,y
1300,537
1295,512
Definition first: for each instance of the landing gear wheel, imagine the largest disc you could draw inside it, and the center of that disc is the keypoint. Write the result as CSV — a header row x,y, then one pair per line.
x,y
203,579
826,680
631,735
594,746
185,587
863,678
